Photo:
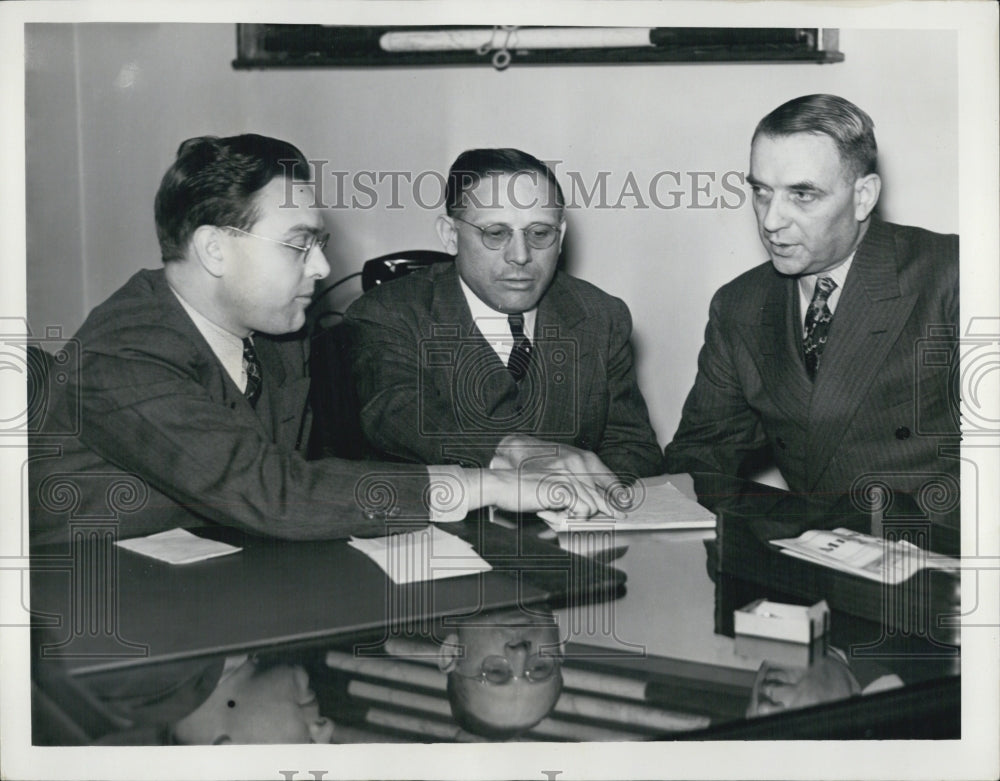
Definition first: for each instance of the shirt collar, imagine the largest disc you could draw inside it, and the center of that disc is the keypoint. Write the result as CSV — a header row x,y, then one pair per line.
x,y
807,283
489,321
226,346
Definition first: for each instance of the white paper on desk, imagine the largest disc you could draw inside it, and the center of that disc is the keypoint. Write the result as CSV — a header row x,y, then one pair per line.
x,y
862,554
657,504
177,546
427,554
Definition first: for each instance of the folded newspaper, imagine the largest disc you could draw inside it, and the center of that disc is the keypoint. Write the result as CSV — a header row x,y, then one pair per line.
x,y
861,554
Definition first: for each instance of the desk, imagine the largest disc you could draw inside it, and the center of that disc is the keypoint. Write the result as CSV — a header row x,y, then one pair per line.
x,y
669,609
105,608
665,645
677,620
677,604
664,630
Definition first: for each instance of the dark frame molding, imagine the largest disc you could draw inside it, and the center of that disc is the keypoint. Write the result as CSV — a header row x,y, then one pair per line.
x,y
260,46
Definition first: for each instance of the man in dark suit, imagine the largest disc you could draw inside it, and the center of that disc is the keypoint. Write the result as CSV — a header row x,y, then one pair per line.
x,y
839,354
192,386
499,357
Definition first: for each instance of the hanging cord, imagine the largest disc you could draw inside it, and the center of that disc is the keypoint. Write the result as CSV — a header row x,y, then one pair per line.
x,y
324,317
328,288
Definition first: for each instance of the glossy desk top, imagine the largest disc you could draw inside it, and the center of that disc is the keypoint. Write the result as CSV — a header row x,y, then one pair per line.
x,y
100,607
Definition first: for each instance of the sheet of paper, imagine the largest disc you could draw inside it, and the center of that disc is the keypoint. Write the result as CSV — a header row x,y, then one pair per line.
x,y
657,505
862,554
427,554
177,546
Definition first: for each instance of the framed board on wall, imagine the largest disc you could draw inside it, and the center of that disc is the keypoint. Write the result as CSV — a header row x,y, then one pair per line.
x,y
328,46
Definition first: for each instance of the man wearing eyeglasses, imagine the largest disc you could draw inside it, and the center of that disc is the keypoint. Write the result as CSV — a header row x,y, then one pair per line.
x,y
499,357
504,672
193,379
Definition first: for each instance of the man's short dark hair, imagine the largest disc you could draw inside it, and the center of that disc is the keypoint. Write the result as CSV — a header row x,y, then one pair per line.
x,y
474,165
214,180
850,128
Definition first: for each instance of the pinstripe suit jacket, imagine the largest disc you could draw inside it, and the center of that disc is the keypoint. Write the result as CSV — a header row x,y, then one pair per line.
x,y
882,407
434,391
152,407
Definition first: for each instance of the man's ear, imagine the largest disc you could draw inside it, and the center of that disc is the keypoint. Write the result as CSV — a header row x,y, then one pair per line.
x,y
449,653
448,234
866,192
206,243
562,232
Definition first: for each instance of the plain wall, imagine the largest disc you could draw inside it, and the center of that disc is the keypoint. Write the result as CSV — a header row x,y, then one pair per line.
x,y
107,106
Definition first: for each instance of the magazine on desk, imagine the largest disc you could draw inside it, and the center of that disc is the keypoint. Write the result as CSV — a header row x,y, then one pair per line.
x,y
861,554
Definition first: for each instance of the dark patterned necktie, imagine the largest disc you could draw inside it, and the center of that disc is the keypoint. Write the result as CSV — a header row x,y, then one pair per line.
x,y
252,367
520,355
818,317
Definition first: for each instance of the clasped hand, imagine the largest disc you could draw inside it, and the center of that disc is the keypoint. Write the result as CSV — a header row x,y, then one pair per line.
x,y
537,475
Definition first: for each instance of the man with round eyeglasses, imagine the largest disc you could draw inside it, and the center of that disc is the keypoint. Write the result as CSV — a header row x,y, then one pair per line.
x,y
504,671
194,381
499,357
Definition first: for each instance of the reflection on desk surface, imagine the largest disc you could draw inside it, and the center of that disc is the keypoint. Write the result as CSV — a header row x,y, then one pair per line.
x,y
660,662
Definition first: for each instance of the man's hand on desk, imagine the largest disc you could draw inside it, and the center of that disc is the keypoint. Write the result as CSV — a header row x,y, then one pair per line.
x,y
778,687
529,492
518,451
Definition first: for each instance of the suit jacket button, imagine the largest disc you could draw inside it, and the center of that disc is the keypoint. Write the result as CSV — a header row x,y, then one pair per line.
x,y
902,433
780,443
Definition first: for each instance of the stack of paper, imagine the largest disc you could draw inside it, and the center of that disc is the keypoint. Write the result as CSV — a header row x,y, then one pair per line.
x,y
656,504
177,546
427,554
863,555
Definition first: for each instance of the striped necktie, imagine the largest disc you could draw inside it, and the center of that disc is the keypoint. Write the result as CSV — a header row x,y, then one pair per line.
x,y
520,354
252,367
817,326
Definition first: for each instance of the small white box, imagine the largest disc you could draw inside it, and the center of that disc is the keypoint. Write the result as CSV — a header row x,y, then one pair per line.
x,y
779,621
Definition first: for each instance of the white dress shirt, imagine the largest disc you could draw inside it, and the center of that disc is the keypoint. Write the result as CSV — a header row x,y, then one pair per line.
x,y
450,503
493,325
228,348
807,286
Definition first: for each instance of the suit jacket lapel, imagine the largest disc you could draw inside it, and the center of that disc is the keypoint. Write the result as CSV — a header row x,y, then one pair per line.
x,y
869,317
483,371
776,345
212,375
565,356
287,393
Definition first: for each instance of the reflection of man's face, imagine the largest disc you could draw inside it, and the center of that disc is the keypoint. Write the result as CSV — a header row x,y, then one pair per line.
x,y
806,200
778,687
252,705
267,285
514,277
523,641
